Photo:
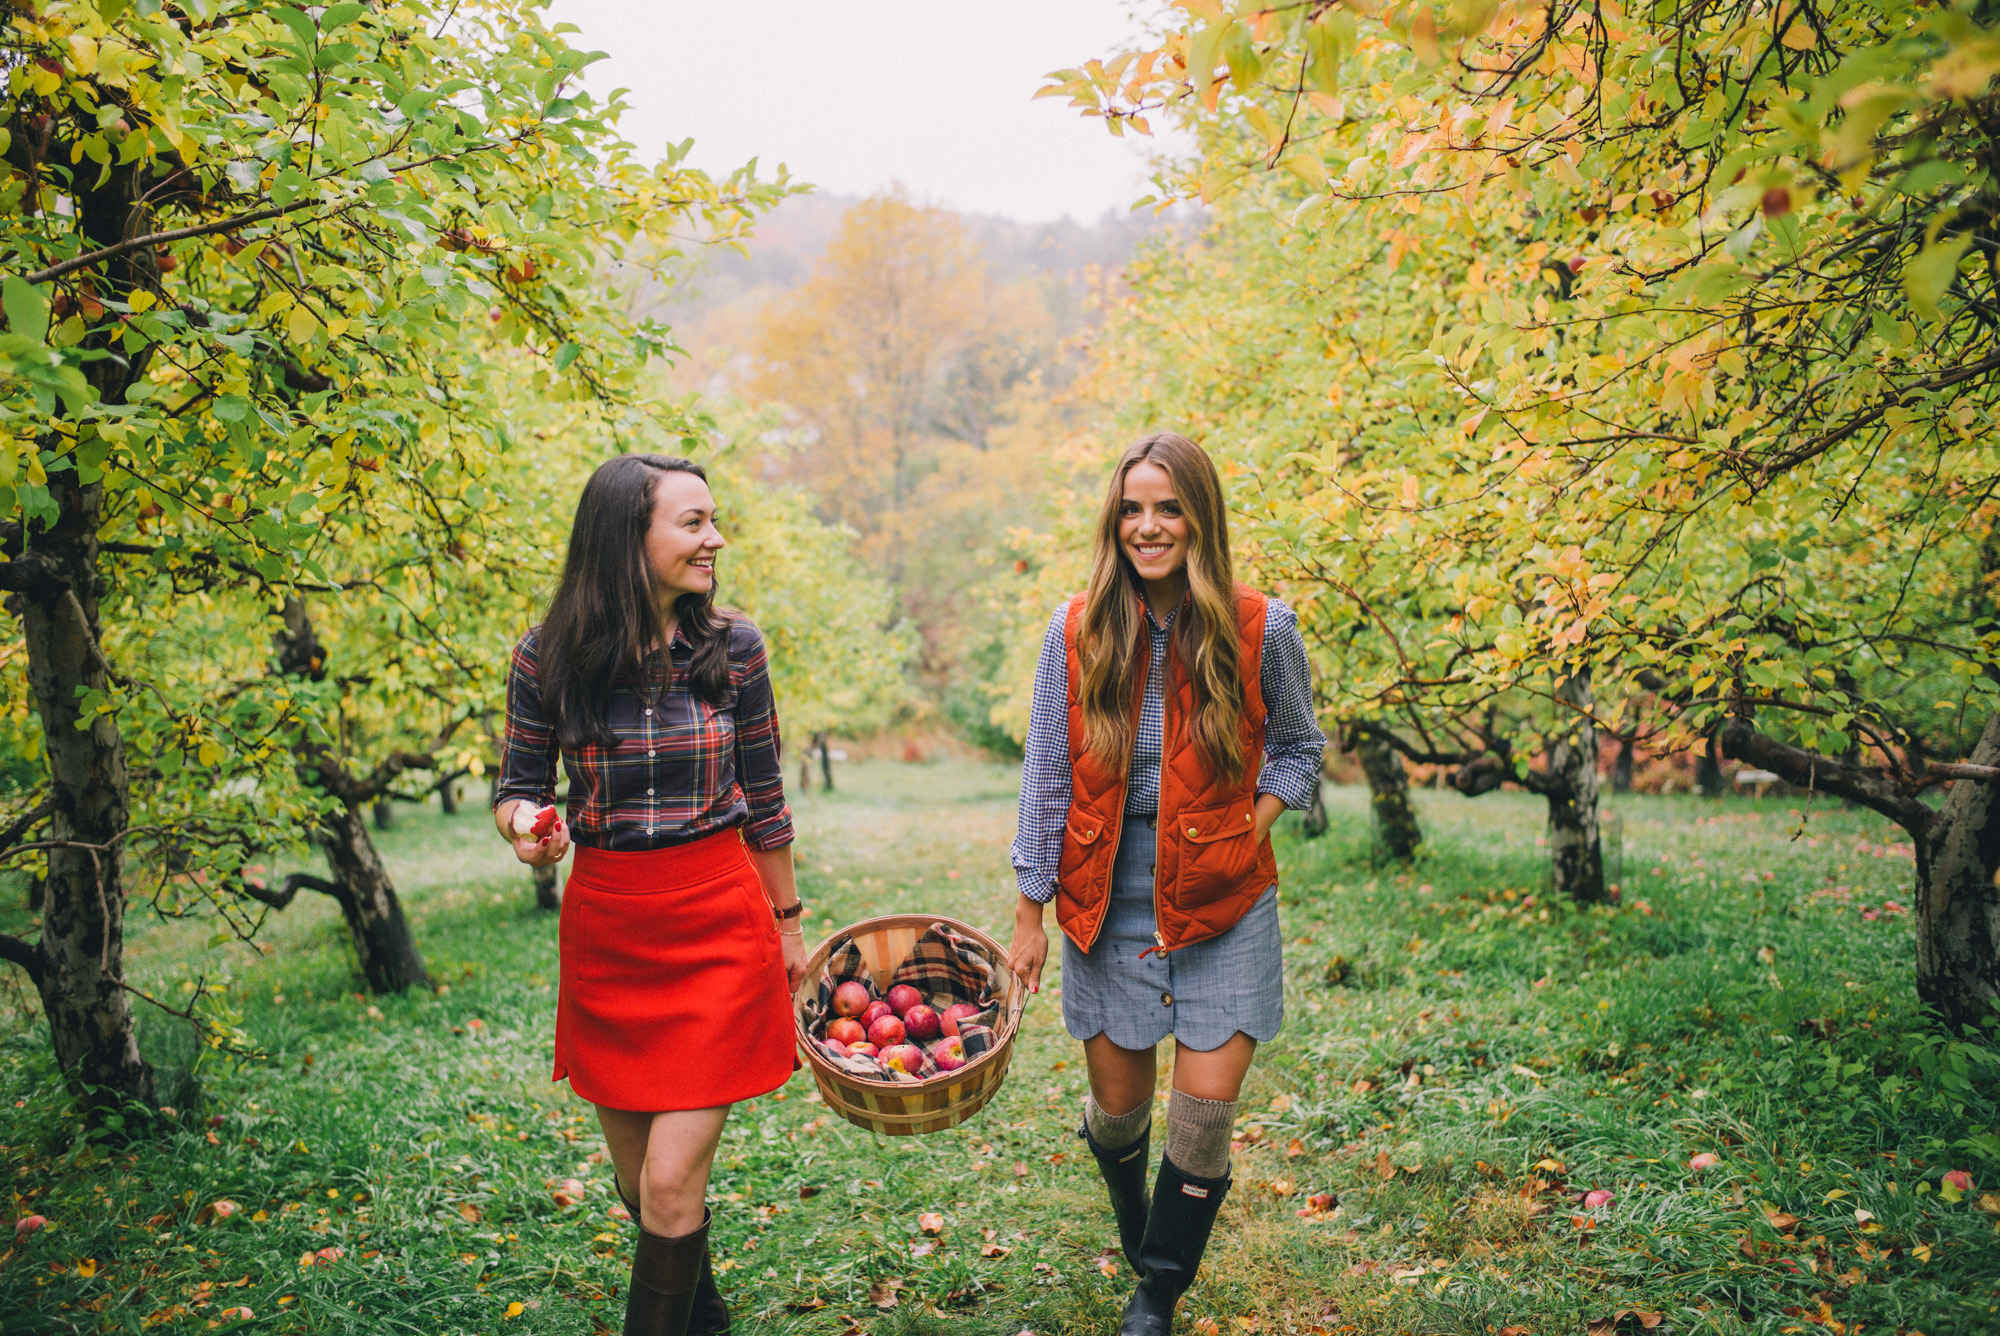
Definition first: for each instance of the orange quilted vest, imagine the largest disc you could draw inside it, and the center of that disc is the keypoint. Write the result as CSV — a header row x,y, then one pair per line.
x,y
1209,871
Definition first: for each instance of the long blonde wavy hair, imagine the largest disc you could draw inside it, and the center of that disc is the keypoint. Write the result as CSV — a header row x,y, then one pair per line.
x,y
1205,636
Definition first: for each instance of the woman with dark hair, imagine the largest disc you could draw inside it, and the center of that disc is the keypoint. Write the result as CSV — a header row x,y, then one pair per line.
x,y
1172,724
680,942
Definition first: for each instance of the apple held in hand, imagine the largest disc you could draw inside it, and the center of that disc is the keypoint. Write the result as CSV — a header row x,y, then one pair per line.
x,y
948,1054
902,997
851,999
846,1031
905,1058
539,825
922,1024
877,1009
886,1032
953,1014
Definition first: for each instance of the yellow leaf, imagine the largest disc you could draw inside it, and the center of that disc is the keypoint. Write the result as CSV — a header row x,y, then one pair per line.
x,y
88,1266
141,301
1800,37
82,53
514,1309
300,324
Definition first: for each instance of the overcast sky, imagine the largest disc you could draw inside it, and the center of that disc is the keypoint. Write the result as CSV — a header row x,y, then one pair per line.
x,y
853,95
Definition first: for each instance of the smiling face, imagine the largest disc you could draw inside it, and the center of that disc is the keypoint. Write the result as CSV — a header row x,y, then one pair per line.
x,y
682,540
1152,531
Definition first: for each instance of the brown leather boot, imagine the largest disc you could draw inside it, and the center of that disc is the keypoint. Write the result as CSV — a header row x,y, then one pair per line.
x,y
665,1273
710,1315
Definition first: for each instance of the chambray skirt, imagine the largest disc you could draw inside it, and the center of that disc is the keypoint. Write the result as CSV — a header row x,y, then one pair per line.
x,y
1200,994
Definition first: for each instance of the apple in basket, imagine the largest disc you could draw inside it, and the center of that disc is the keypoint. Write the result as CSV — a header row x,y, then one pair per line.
x,y
851,998
835,1047
955,1013
886,1032
907,1058
846,1030
876,1011
922,1023
863,1050
902,997
948,1054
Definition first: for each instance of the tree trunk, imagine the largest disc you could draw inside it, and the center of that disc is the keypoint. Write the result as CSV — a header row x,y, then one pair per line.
x,y
1708,776
1576,859
385,814
80,966
825,760
448,797
548,887
1316,820
1621,770
1389,797
382,939
1958,906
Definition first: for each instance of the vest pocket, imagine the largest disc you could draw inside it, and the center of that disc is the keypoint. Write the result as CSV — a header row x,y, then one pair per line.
x,y
1218,855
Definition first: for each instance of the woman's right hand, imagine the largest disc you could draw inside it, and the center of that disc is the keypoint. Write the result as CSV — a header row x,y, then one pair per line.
x,y
542,852
1030,950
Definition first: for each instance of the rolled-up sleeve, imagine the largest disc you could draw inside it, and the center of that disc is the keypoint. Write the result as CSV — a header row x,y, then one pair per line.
x,y
1293,742
1045,770
759,768
529,755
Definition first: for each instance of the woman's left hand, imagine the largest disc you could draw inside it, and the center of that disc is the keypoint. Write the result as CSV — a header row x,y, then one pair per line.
x,y
1269,808
794,956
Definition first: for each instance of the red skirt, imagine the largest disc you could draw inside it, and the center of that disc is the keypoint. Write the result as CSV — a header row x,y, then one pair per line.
x,y
672,985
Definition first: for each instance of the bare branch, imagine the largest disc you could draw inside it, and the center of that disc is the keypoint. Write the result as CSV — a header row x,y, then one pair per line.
x,y
25,822
28,955
1867,785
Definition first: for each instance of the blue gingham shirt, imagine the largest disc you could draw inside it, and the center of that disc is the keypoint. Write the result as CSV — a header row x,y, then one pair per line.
x,y
1292,739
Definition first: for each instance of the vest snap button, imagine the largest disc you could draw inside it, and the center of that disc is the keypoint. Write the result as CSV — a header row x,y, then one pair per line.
x,y
1193,831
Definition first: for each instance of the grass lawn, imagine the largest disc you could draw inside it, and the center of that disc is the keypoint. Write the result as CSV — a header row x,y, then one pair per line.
x,y
1462,1062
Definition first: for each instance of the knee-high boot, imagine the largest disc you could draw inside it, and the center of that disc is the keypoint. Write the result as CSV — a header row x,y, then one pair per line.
x,y
710,1314
664,1273
1124,1173
1177,1229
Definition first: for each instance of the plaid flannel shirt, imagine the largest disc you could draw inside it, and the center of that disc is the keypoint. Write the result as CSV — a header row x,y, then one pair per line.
x,y
1293,742
681,769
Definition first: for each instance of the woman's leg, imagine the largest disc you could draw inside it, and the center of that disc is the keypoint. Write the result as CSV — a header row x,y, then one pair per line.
x,y
1117,1126
664,1159
1217,1073
1121,1079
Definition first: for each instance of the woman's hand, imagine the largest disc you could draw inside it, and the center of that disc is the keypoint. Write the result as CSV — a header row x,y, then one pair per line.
x,y
1269,808
793,945
1030,950
550,848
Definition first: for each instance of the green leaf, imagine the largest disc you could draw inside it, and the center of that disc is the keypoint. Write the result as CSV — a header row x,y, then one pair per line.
x,y
561,109
302,27
339,16
1930,275
27,309
567,354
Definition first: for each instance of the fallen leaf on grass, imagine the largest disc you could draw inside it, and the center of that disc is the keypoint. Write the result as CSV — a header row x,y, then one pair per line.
x,y
469,1211
1624,1320
1296,1149
931,1223
994,1250
806,1305
1782,1221
1020,1169
1205,1326
1383,1169
882,1294
849,1327
808,1191
1107,1268
1513,1331
922,1247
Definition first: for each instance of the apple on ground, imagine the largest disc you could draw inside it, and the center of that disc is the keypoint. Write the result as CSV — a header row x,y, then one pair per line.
x,y
877,1009
851,999
846,1030
906,1058
953,1014
1595,1198
902,997
886,1032
948,1054
922,1023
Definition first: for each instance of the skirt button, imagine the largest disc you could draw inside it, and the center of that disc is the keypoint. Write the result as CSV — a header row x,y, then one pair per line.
x,y
1166,999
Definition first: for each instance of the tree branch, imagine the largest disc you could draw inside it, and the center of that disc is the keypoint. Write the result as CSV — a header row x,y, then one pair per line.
x,y
283,896
131,244
1867,785
25,822
27,955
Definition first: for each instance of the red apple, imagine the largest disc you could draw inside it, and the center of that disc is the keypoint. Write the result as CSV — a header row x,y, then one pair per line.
x,y
875,1012
28,1224
955,1013
886,1032
851,999
907,1058
922,1024
544,821
902,997
835,1047
846,1031
863,1050
948,1054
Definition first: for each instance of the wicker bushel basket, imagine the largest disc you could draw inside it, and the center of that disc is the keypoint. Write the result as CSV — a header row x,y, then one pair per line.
x,y
910,1108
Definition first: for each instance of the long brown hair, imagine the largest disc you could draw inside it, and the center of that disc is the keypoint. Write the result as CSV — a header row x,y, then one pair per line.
x,y
1205,637
603,621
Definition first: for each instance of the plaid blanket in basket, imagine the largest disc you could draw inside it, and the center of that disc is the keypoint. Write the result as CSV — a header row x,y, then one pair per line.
x,y
943,966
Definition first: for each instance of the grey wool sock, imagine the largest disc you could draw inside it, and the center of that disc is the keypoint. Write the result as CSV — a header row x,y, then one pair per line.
x,y
1198,1134
1115,1131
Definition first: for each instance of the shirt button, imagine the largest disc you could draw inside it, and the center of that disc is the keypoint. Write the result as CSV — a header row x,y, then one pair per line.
x,y
1166,999
649,793
649,712
652,753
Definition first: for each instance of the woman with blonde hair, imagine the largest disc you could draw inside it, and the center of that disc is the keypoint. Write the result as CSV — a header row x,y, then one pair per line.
x,y
1172,724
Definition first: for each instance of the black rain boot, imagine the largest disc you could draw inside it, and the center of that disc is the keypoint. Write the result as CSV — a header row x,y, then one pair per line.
x,y
1125,1175
1177,1230
710,1314
665,1272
